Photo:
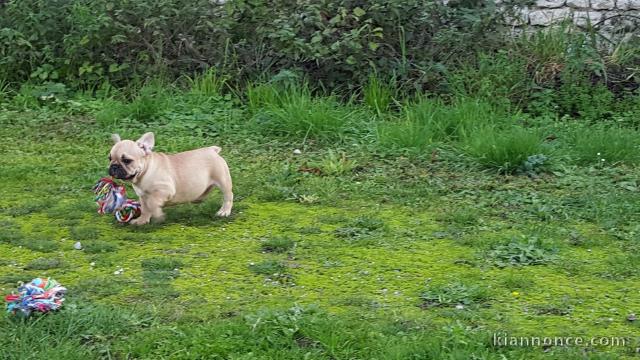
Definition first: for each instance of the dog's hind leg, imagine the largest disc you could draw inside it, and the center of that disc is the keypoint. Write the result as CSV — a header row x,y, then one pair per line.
x,y
227,200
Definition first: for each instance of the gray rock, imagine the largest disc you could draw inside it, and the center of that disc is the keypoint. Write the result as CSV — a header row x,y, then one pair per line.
x,y
628,4
582,18
579,4
550,4
548,17
603,4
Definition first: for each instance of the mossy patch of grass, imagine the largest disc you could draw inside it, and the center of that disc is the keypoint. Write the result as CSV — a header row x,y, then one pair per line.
x,y
84,233
38,243
98,247
44,264
452,294
280,244
268,267
161,263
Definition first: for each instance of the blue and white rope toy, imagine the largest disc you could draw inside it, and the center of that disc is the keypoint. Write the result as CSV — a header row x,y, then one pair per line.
x,y
40,295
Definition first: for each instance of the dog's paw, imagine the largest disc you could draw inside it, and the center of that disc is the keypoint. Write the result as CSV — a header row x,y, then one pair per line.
x,y
139,221
223,212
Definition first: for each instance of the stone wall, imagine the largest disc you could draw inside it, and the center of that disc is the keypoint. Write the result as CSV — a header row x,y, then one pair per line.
x,y
606,15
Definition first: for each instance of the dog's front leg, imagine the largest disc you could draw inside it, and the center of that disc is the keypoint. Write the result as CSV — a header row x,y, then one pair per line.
x,y
151,206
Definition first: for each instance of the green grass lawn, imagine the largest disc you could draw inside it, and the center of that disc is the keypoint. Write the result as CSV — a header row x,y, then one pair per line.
x,y
349,250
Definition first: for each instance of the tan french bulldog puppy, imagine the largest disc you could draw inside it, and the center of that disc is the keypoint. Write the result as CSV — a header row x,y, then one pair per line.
x,y
162,179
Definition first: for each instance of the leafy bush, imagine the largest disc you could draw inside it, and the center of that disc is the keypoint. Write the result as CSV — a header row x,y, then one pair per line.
x,y
336,42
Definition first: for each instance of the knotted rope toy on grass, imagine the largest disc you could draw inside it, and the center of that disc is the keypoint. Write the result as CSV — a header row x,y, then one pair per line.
x,y
40,295
112,198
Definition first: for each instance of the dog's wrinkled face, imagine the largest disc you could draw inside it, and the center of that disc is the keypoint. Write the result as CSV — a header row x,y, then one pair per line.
x,y
127,157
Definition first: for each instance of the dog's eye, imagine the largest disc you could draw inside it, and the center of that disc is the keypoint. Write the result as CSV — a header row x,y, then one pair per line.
x,y
126,161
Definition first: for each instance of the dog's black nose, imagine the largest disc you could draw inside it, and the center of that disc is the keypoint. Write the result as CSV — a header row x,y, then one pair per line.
x,y
113,169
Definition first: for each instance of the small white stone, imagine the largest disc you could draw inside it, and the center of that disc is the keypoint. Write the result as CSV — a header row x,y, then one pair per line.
x,y
297,152
77,245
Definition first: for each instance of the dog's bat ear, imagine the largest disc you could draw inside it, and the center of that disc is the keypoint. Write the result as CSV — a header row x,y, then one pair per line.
x,y
146,142
115,138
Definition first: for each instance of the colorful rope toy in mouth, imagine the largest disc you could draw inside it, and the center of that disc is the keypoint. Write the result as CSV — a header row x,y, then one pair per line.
x,y
40,295
112,198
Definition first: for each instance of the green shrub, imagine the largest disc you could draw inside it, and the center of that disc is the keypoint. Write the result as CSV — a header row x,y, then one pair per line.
x,y
336,42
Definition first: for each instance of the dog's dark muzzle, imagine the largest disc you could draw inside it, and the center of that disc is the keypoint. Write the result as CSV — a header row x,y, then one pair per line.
x,y
118,172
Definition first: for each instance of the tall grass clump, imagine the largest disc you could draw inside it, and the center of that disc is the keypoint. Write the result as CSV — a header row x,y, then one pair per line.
x,y
605,145
5,91
211,84
500,79
150,101
378,95
504,150
428,121
259,96
294,112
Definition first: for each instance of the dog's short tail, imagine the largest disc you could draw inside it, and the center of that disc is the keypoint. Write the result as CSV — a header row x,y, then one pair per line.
x,y
217,149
